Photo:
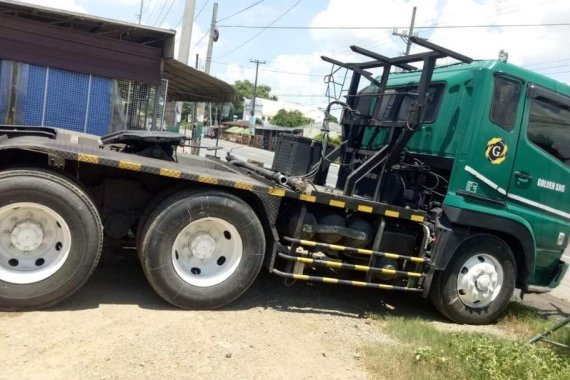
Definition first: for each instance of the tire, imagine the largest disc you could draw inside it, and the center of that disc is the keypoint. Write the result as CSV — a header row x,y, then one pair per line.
x,y
202,249
477,285
150,212
50,241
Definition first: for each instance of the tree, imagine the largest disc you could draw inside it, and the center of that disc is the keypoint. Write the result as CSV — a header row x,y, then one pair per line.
x,y
244,89
291,119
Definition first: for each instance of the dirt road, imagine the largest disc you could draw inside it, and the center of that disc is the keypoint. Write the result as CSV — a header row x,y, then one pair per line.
x,y
116,327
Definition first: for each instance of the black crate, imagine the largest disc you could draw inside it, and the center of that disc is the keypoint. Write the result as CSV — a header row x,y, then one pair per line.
x,y
295,155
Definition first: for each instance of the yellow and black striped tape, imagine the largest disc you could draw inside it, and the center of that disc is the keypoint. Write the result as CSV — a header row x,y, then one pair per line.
x,y
368,252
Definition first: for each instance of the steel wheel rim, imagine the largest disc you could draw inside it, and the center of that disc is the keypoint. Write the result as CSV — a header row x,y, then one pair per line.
x,y
35,242
207,252
480,280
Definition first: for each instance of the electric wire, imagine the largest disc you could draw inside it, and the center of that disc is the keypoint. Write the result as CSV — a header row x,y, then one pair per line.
x,y
240,11
152,12
263,29
195,17
268,70
201,9
201,38
167,12
159,14
394,27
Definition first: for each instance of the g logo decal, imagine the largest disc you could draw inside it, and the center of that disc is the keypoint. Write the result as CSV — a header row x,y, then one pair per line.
x,y
496,151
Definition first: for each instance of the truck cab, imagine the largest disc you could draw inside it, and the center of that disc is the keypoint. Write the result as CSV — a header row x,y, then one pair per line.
x,y
501,134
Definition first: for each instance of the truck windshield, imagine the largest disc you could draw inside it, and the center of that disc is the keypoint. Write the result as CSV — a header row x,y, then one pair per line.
x,y
395,106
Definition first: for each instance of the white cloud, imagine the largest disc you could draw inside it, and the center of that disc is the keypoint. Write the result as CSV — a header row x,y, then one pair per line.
x,y
68,5
526,45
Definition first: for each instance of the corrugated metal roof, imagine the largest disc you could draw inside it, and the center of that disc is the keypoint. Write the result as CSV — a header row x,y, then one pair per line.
x,y
141,34
185,83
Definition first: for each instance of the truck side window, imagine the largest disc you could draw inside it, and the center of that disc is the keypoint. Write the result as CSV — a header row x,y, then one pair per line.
x,y
506,97
549,128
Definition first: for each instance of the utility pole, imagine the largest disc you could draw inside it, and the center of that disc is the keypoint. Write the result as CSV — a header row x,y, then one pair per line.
x,y
140,11
407,34
212,38
257,63
198,130
186,33
252,115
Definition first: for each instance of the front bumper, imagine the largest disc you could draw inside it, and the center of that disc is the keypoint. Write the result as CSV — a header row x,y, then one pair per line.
x,y
559,273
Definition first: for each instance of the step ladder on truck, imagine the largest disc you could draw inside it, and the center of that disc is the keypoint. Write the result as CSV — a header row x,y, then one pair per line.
x,y
452,184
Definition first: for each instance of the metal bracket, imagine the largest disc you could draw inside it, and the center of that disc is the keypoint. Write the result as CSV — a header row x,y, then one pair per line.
x,y
56,161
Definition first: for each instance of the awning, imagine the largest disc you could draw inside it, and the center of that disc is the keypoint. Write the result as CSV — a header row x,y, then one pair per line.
x,y
188,84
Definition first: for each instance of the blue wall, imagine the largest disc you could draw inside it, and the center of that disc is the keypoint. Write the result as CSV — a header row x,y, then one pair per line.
x,y
69,100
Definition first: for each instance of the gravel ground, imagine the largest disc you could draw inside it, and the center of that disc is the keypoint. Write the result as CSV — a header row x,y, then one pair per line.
x,y
116,327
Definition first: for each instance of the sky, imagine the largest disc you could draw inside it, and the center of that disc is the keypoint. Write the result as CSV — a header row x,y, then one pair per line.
x,y
293,66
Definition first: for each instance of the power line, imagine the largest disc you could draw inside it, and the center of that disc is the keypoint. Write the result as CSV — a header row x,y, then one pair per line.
x,y
159,14
195,17
392,27
151,10
263,29
201,38
243,10
167,12
270,70
201,9
547,62
550,67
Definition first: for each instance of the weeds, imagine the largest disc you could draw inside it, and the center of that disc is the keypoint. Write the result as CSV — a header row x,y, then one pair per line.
x,y
425,352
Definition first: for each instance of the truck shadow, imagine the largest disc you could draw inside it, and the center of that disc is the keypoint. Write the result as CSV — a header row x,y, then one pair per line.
x,y
120,280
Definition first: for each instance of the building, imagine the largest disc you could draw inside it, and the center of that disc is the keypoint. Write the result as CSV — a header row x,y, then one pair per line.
x,y
90,74
265,109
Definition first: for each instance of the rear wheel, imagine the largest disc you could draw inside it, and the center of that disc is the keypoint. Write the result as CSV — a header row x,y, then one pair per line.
x,y
50,239
202,250
477,285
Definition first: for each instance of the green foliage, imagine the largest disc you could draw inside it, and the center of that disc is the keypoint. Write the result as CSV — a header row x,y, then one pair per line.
x,y
292,119
424,351
334,140
486,357
244,89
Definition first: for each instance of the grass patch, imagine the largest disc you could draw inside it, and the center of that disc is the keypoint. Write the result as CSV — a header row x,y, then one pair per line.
x,y
423,351
525,323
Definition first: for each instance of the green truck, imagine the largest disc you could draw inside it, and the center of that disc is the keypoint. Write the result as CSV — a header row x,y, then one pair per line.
x,y
452,185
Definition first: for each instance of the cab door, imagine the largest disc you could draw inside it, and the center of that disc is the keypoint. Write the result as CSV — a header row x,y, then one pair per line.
x,y
539,188
494,142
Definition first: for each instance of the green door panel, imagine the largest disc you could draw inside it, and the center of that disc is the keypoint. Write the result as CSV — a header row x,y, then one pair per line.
x,y
492,152
539,187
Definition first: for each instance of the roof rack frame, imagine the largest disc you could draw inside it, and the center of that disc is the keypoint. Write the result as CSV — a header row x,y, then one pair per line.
x,y
398,139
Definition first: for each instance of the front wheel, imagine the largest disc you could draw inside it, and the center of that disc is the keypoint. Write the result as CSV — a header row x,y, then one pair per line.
x,y
477,285
202,250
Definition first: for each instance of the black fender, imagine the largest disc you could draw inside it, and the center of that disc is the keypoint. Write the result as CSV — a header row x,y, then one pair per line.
x,y
457,225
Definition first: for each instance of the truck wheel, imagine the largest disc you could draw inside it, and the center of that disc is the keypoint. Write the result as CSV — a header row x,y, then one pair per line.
x,y
477,285
202,251
50,239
